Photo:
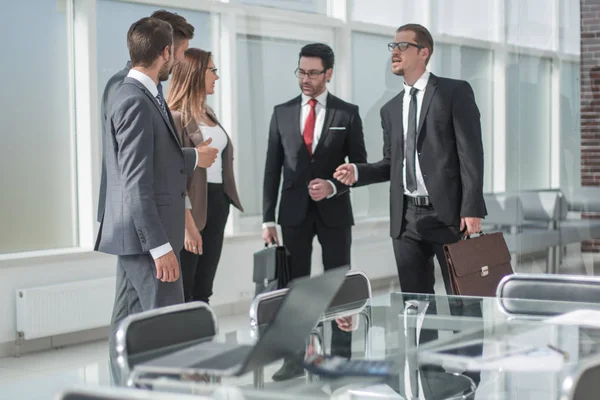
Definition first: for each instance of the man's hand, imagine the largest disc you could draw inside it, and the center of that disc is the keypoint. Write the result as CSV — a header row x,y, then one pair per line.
x,y
346,324
167,267
270,235
473,225
319,189
345,174
206,155
193,239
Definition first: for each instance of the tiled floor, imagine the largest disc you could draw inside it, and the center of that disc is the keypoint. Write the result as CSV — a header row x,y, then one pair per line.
x,y
40,376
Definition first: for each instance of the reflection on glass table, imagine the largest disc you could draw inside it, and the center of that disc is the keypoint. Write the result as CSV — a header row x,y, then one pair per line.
x,y
401,326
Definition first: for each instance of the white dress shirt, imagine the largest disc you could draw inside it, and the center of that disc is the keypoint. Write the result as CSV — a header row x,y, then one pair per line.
x,y
145,80
420,84
320,111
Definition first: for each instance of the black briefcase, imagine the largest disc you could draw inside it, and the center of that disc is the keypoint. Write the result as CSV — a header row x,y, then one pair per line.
x,y
271,268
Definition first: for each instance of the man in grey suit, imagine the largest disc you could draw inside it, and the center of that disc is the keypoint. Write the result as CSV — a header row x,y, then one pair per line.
x,y
183,32
146,172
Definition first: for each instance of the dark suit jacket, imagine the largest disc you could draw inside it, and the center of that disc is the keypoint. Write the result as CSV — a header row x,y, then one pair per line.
x,y
449,148
109,91
146,175
286,149
190,135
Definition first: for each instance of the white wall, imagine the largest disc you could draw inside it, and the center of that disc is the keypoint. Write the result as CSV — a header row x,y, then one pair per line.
x,y
372,253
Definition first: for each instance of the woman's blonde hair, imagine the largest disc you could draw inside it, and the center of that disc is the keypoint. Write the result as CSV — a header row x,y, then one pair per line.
x,y
187,90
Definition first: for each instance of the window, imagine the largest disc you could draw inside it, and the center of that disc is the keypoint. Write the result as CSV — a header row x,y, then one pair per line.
x,y
39,208
114,20
528,25
478,22
266,79
571,136
474,66
373,85
397,12
528,123
309,6
570,26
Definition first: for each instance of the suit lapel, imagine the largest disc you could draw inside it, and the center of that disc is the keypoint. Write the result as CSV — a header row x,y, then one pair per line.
x,y
167,118
429,93
397,120
329,115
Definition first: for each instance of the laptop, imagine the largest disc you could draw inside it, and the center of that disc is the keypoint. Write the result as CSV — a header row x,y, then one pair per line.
x,y
300,310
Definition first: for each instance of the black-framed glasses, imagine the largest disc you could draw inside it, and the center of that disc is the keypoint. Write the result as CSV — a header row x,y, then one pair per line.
x,y
311,74
214,70
403,46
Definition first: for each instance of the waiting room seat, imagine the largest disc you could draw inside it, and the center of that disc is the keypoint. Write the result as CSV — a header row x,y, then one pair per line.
x,y
154,333
579,200
506,214
571,290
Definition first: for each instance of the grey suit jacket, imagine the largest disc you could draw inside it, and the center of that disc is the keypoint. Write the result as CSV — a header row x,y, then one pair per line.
x,y
146,173
191,136
112,85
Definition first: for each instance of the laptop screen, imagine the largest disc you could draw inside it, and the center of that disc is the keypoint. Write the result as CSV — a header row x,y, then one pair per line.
x,y
301,309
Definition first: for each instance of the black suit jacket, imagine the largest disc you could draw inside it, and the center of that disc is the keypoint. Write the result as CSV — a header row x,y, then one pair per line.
x,y
112,85
449,148
286,149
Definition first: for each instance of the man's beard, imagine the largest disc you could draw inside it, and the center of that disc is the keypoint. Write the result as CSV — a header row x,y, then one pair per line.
x,y
164,72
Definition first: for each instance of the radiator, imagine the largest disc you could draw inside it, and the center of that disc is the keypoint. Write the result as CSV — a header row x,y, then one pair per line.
x,y
64,308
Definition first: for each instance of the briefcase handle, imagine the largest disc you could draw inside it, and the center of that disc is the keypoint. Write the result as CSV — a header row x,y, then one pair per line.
x,y
480,233
273,244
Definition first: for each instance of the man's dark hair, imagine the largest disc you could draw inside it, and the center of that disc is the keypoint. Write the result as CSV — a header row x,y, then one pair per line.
x,y
181,28
422,36
320,50
146,39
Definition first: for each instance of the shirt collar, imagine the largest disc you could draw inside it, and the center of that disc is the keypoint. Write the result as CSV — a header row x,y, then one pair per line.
x,y
420,84
321,99
144,80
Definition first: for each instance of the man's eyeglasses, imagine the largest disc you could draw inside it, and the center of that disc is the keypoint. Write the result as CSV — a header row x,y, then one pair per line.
x,y
214,70
403,46
311,74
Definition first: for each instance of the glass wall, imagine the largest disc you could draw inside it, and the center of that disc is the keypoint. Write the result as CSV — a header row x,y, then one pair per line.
x,y
38,209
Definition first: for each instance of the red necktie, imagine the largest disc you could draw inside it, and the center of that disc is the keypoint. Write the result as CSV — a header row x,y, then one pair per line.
x,y
309,126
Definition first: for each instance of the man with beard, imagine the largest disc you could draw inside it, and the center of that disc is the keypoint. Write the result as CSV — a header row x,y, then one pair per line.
x,y
146,172
309,137
433,158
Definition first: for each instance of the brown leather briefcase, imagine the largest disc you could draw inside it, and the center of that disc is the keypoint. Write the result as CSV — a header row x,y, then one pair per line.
x,y
476,265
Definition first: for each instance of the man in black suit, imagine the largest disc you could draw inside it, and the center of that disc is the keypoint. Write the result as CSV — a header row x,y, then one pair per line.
x,y
433,158
309,137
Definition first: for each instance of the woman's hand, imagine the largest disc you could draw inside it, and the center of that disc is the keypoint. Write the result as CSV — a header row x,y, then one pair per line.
x,y
193,239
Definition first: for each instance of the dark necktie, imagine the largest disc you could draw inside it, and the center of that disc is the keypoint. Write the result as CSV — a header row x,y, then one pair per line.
x,y
161,99
411,142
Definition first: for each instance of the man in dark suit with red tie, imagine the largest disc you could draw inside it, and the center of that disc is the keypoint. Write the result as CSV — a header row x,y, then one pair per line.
x,y
309,137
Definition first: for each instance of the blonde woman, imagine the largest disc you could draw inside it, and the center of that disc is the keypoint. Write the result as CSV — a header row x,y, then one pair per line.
x,y
210,190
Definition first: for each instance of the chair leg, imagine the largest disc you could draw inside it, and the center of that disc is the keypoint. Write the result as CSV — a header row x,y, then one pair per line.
x,y
259,378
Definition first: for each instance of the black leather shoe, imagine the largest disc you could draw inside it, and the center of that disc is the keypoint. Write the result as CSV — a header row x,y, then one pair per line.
x,y
289,370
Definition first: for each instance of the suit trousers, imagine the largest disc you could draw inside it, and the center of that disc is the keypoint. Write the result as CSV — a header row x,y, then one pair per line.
x,y
137,290
199,270
335,245
422,237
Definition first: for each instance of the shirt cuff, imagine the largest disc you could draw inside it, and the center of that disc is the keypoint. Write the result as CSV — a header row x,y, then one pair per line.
x,y
160,251
355,172
188,202
334,190
269,224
